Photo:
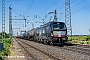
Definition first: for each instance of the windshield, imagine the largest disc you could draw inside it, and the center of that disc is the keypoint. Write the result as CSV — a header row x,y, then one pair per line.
x,y
59,26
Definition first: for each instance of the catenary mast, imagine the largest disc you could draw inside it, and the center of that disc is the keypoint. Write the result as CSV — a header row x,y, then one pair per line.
x,y
68,17
3,21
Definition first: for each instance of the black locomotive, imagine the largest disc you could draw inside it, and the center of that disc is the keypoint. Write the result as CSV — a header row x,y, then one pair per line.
x,y
49,33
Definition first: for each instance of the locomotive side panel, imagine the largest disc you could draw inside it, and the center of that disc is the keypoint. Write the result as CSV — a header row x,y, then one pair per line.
x,y
42,35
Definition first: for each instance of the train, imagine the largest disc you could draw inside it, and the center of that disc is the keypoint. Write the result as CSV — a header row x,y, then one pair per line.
x,y
49,33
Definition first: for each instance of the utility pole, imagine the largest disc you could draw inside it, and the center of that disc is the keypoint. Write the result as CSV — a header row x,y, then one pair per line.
x,y
55,16
10,22
32,24
3,21
2,44
35,16
68,17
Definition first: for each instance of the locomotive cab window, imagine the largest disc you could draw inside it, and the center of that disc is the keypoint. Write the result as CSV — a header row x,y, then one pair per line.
x,y
59,26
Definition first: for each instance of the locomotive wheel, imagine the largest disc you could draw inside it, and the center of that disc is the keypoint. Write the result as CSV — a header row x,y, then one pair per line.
x,y
34,40
30,39
51,43
45,42
42,41
39,40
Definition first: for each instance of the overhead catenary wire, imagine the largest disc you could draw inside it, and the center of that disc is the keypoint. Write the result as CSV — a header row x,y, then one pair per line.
x,y
17,12
13,0
60,7
22,13
56,1
87,6
74,0
52,4
63,5
29,8
73,5
79,3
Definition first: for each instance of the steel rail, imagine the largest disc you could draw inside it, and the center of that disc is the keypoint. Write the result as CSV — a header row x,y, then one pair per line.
x,y
28,51
42,51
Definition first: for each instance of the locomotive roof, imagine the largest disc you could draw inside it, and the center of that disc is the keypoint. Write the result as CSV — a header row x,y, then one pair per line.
x,y
53,22
45,25
56,22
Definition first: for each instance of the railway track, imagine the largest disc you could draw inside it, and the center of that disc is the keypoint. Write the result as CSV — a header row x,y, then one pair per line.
x,y
28,52
67,52
36,53
77,48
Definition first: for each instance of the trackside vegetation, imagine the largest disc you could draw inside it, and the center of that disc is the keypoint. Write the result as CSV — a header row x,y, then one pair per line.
x,y
7,43
79,39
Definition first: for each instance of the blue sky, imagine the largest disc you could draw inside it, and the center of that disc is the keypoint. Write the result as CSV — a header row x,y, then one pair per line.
x,y
80,16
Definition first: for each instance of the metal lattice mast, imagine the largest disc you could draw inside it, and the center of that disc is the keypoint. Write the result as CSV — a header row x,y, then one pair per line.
x,y
68,17
3,21
10,21
55,16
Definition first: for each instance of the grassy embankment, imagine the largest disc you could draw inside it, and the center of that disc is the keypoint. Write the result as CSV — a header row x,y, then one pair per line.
x,y
79,39
6,51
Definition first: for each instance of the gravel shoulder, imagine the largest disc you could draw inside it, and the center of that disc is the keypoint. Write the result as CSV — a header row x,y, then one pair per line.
x,y
59,53
17,53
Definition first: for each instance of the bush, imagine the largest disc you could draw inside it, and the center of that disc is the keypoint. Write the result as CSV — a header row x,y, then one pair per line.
x,y
0,37
88,37
6,51
0,58
6,35
70,40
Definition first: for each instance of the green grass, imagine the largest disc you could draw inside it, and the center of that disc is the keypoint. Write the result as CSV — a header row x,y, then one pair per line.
x,y
79,39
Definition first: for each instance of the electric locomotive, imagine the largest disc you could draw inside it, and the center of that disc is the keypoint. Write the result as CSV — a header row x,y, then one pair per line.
x,y
53,32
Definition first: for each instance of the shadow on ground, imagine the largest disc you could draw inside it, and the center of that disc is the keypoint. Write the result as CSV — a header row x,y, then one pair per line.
x,y
64,44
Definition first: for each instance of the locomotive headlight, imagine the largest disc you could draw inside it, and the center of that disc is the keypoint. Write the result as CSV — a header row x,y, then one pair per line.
x,y
63,33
